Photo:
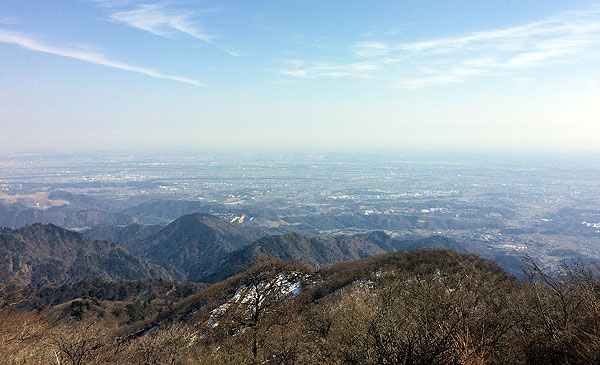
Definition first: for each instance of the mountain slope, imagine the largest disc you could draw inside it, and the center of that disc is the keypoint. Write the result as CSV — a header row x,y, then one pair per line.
x,y
294,247
200,246
382,239
313,251
320,251
126,236
41,254
17,215
192,243
314,286
163,211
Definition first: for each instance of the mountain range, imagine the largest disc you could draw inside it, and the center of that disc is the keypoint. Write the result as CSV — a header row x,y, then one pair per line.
x,y
198,247
202,247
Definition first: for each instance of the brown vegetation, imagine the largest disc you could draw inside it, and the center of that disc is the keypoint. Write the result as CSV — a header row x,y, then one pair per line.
x,y
420,307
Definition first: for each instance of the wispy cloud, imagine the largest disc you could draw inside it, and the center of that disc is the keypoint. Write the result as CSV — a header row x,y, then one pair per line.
x,y
161,21
79,53
324,69
449,60
371,49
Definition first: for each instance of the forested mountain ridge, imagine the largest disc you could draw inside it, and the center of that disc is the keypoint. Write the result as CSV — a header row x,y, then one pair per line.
x,y
191,243
40,254
126,236
202,247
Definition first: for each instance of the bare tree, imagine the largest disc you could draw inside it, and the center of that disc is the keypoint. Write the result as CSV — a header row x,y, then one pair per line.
x,y
80,342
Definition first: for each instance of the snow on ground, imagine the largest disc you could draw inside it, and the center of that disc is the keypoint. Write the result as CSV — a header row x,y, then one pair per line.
x,y
281,287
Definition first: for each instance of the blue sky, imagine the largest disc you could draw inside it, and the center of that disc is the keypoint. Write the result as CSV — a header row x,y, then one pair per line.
x,y
466,75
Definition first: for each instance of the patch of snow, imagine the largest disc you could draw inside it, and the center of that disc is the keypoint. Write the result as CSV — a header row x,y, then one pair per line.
x,y
281,287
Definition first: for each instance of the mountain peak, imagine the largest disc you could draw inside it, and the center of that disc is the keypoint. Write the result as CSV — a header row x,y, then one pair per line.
x,y
192,242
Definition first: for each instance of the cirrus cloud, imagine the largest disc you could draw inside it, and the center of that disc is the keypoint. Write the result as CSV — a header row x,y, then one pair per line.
x,y
563,38
160,21
30,43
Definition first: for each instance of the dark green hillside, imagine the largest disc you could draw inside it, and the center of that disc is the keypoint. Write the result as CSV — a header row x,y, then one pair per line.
x,y
126,236
165,210
193,243
41,254
319,251
110,290
393,244
294,247
72,211
313,251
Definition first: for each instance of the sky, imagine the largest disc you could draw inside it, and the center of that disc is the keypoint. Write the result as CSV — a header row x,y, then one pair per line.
x,y
300,74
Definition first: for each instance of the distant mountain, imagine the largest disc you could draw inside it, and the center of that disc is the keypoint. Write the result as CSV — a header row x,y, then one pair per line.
x,y
320,251
292,247
344,221
82,201
41,254
17,215
192,243
382,239
313,251
203,247
313,224
163,211
126,236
